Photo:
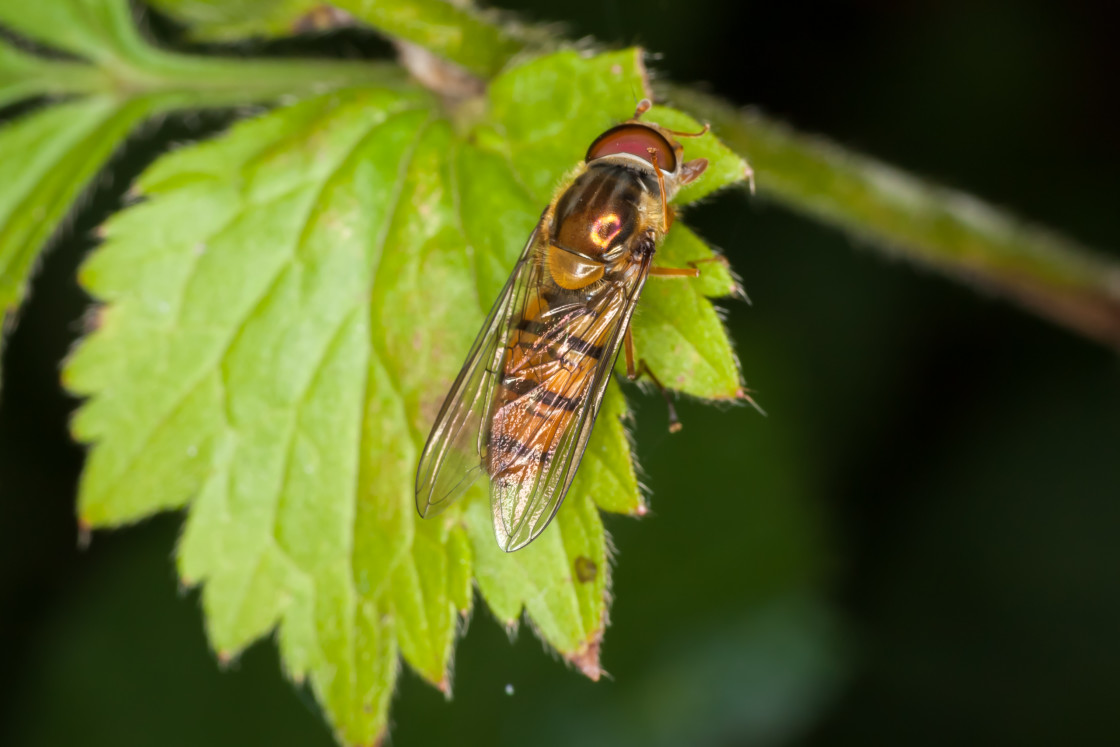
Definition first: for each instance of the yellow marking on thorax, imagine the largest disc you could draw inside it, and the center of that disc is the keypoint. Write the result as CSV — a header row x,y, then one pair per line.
x,y
571,271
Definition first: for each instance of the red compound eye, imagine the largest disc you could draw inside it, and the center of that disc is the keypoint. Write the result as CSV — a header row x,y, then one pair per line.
x,y
637,140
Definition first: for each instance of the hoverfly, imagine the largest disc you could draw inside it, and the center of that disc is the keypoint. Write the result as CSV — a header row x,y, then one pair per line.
x,y
523,405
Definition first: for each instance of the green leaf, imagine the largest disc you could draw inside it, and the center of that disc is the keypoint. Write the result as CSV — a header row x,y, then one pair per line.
x,y
452,30
53,153
609,481
49,156
724,167
125,65
561,579
233,20
94,29
678,331
894,212
283,315
19,75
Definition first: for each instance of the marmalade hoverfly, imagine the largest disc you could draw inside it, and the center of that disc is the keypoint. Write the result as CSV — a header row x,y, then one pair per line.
x,y
524,403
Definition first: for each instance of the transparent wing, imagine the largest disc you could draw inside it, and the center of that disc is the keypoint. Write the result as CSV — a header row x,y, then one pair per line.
x,y
453,456
523,506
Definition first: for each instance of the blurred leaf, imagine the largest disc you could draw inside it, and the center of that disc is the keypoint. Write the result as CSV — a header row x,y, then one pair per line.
x,y
283,316
19,75
49,157
452,30
233,20
53,153
98,30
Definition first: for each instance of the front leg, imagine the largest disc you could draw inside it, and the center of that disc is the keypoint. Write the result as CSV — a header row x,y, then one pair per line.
x,y
674,272
692,271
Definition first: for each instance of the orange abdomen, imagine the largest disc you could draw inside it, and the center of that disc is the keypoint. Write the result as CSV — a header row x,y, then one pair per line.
x,y
564,330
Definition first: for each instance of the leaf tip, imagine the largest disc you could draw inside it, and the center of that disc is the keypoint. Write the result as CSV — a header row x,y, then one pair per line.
x,y
739,293
85,533
586,659
743,394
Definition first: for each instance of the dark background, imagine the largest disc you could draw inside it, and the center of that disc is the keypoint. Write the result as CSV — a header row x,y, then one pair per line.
x,y
917,546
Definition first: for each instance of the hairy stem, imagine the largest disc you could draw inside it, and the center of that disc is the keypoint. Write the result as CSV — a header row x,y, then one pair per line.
x,y
936,227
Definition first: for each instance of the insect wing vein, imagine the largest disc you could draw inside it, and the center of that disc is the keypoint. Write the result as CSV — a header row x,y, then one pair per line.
x,y
524,506
453,455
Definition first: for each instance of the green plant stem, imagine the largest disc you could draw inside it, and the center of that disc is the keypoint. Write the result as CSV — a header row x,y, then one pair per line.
x,y
933,226
245,81
206,82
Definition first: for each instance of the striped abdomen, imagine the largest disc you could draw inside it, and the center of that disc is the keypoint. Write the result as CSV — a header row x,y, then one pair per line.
x,y
567,321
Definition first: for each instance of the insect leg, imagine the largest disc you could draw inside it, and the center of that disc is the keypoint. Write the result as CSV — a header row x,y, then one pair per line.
x,y
714,258
675,272
633,372
692,271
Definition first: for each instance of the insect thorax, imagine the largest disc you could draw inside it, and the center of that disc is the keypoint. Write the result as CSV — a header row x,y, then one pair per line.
x,y
602,209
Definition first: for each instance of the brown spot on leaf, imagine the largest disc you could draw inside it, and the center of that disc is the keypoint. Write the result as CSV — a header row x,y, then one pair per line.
x,y
586,569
